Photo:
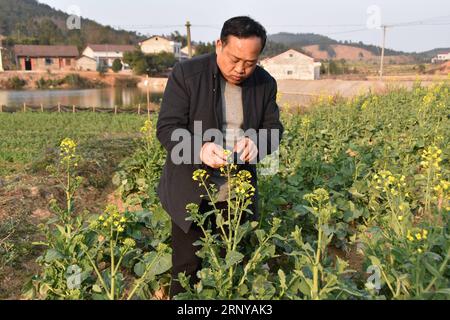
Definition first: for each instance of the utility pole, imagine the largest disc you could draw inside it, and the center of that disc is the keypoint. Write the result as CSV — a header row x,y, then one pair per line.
x,y
1,60
147,85
188,30
382,51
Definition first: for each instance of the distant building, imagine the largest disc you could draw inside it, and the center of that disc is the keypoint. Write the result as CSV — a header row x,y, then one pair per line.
x,y
41,58
441,57
85,63
292,65
159,44
104,55
185,52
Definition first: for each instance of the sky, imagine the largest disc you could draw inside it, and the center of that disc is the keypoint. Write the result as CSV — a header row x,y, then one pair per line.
x,y
356,20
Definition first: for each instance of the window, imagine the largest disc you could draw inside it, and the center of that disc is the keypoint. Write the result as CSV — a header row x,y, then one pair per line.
x,y
289,72
48,61
68,62
290,55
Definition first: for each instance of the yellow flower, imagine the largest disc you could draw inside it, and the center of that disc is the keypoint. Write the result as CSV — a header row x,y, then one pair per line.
x,y
418,236
199,175
419,250
409,236
129,242
400,218
146,127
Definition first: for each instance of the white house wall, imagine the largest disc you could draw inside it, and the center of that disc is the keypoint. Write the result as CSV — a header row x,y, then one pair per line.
x,y
292,65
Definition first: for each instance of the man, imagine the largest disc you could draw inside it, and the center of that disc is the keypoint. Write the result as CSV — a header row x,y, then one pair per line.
x,y
226,91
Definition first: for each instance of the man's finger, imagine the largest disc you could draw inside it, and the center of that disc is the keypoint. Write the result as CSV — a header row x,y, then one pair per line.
x,y
220,152
240,145
218,161
252,155
245,154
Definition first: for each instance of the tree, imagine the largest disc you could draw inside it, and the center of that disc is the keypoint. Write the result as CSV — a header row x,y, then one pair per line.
x,y
177,37
149,64
160,62
117,65
204,47
421,68
137,61
49,33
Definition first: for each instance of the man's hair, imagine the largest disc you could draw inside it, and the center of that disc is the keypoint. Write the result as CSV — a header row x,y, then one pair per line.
x,y
243,27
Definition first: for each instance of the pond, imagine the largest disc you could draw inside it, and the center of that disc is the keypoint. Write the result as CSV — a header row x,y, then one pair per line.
x,y
105,97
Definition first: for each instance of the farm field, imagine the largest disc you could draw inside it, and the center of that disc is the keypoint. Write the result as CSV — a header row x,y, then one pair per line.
x,y
358,209
28,145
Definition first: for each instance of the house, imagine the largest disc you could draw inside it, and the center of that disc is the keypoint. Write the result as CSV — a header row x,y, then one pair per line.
x,y
292,65
85,63
104,55
185,52
157,44
42,58
440,57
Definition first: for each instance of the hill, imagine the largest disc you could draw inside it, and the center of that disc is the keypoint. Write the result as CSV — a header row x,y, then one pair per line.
x,y
300,40
31,22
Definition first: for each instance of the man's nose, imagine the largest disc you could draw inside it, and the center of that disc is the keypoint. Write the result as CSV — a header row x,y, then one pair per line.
x,y
240,68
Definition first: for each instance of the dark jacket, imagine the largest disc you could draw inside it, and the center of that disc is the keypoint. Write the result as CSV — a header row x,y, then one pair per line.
x,y
193,94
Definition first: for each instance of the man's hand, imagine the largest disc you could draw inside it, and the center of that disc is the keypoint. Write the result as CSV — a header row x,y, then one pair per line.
x,y
213,155
248,148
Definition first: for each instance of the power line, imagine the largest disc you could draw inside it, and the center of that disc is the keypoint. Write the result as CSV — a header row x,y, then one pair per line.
x,y
216,26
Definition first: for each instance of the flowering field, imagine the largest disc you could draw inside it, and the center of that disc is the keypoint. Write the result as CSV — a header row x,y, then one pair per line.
x,y
359,209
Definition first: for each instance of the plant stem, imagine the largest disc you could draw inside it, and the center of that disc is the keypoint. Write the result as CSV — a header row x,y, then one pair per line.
x,y
142,278
98,274
113,274
315,290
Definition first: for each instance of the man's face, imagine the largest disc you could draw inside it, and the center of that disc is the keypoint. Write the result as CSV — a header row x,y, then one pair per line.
x,y
237,59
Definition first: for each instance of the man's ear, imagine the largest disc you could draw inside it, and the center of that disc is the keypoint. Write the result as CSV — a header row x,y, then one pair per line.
x,y
219,46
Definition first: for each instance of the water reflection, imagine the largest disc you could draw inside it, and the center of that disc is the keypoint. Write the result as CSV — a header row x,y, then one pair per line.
x,y
106,97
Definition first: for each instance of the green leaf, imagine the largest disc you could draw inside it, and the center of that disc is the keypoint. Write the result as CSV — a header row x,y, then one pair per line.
x,y
232,258
375,261
153,264
243,290
242,230
52,255
260,234
139,269
432,269
162,264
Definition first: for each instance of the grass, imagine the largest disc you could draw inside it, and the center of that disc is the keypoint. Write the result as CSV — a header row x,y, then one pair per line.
x,y
26,138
